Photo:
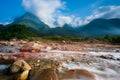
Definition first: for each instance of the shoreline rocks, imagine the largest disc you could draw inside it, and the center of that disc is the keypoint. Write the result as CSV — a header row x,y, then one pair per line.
x,y
37,60
33,47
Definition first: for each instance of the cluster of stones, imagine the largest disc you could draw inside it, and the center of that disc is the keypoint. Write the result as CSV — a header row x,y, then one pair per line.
x,y
26,46
36,69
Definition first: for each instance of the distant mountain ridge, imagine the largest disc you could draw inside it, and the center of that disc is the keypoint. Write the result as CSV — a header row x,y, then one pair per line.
x,y
102,27
40,28
96,28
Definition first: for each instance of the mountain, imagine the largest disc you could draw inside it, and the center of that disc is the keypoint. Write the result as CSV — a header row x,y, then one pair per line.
x,y
1,25
66,30
33,23
96,28
102,27
15,31
41,29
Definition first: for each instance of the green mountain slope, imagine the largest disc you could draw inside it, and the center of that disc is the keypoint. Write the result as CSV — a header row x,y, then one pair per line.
x,y
33,23
102,27
96,28
15,31
41,29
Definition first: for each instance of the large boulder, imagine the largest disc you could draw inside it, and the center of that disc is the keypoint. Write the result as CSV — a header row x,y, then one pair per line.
x,y
24,75
19,66
31,47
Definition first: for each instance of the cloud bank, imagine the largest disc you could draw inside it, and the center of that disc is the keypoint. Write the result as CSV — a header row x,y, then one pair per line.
x,y
71,20
106,12
50,12
46,10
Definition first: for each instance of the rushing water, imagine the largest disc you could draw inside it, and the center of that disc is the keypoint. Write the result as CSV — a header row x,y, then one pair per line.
x,y
5,49
3,68
103,69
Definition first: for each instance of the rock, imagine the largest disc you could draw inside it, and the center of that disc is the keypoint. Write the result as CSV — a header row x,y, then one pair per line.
x,y
80,74
33,47
117,50
36,65
22,42
46,74
108,57
4,43
45,49
11,51
4,57
14,39
12,43
118,59
23,55
102,56
48,48
23,75
38,61
2,54
18,66
6,61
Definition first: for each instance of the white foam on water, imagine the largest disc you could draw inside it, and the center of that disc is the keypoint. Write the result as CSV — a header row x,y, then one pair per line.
x,y
101,72
105,74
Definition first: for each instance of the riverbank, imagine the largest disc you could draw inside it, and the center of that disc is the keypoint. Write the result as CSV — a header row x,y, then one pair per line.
x,y
65,60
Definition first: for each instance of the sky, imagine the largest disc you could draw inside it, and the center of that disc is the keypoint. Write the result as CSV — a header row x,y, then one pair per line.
x,y
59,12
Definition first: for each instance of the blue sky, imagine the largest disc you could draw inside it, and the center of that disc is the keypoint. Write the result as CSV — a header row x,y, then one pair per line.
x,y
9,9
66,10
84,8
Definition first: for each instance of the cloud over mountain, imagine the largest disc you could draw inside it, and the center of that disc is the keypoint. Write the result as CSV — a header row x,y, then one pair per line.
x,y
106,12
46,10
71,20
49,11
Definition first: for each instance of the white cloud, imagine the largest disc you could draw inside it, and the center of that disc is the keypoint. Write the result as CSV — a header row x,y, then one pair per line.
x,y
46,10
77,21
49,11
6,23
106,12
71,20
64,20
96,3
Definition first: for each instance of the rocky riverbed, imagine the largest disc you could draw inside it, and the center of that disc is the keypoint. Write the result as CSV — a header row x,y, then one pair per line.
x,y
34,60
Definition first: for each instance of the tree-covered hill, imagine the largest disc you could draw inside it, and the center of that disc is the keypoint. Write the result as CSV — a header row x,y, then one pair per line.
x,y
15,31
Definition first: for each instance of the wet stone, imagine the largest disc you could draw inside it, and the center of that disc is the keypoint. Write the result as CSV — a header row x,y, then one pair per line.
x,y
80,74
38,61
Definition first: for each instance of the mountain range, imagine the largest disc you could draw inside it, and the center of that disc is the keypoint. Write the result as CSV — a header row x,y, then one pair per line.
x,y
96,28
